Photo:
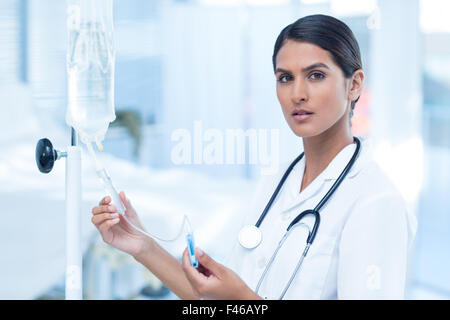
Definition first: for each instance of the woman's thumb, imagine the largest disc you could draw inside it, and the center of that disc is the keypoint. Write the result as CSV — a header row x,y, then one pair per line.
x,y
124,199
208,262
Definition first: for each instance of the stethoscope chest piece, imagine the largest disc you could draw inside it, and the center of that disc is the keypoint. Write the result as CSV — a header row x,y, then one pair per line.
x,y
250,237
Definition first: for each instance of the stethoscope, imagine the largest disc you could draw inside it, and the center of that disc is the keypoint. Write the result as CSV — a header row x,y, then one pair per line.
x,y
250,236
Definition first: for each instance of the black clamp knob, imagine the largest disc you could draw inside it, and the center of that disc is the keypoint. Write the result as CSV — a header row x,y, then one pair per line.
x,y
46,155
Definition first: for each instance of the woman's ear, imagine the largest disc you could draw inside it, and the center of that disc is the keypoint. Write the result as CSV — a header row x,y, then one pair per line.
x,y
356,85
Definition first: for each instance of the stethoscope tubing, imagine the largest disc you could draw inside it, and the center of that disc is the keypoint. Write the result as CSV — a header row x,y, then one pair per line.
x,y
314,212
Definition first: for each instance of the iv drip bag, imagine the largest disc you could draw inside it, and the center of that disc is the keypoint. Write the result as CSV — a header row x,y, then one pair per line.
x,y
90,68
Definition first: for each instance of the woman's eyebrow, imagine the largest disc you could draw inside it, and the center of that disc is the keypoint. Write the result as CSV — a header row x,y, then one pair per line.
x,y
314,66
304,70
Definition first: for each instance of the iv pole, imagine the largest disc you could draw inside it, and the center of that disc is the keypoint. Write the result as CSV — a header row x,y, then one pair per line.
x,y
46,156
45,159
73,221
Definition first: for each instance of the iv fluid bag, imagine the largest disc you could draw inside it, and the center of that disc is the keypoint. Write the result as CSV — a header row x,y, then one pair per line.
x,y
90,68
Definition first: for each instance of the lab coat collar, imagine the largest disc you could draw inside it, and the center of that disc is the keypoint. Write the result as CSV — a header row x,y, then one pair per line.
x,y
293,195
341,160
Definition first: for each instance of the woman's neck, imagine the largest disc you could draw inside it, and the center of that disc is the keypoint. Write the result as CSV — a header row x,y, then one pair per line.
x,y
321,150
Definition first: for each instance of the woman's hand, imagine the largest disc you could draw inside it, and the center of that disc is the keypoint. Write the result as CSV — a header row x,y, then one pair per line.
x,y
116,231
212,280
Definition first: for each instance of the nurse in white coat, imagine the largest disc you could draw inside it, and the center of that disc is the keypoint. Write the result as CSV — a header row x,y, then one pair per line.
x,y
361,247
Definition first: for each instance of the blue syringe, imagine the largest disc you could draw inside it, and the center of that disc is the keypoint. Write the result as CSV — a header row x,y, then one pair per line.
x,y
191,245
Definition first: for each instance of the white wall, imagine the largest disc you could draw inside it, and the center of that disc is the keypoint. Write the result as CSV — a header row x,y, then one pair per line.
x,y
218,69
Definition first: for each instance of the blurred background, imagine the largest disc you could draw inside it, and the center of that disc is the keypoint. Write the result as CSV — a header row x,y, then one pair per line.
x,y
182,61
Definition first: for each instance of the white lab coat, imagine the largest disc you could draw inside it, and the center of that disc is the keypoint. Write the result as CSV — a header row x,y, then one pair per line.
x,y
362,245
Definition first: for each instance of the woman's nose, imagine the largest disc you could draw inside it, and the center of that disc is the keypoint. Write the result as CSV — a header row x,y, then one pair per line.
x,y
299,92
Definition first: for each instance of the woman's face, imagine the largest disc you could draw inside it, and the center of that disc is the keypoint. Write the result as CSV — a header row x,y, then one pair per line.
x,y
309,81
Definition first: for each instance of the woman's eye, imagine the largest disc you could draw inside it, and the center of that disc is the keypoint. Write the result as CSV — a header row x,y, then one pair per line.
x,y
317,76
283,79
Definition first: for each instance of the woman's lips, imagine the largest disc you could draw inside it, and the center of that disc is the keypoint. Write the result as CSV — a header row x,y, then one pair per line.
x,y
302,117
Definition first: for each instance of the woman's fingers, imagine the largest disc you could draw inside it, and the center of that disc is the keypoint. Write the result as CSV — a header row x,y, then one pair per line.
x,y
105,208
105,200
129,210
99,218
103,227
105,215
125,200
123,197
192,273
104,212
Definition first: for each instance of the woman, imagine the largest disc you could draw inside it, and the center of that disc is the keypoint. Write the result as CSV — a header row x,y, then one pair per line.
x,y
360,249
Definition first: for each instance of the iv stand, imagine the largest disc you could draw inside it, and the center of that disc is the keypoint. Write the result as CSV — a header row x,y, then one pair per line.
x,y
73,221
45,159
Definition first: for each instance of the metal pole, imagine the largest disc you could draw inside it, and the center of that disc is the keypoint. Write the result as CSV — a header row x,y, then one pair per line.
x,y
74,290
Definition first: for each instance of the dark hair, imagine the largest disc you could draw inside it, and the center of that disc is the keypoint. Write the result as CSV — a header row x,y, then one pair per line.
x,y
328,33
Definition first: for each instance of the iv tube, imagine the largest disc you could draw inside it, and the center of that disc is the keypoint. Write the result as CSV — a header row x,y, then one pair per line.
x,y
107,183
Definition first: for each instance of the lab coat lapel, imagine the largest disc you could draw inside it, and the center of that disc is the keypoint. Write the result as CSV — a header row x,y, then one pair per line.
x,y
292,195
